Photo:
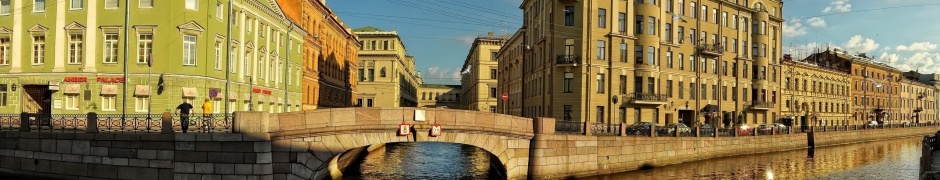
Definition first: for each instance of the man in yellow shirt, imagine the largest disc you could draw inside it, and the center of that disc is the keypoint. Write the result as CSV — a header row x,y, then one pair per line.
x,y
206,114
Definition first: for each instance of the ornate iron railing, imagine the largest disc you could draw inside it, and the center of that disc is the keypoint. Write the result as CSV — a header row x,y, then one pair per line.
x,y
205,123
637,131
690,132
604,129
648,97
661,131
151,123
568,59
9,122
706,132
569,127
727,132
765,131
712,48
130,123
762,104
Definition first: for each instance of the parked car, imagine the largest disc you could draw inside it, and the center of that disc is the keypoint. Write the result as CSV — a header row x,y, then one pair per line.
x,y
744,129
906,124
872,124
706,130
639,128
778,125
764,127
671,128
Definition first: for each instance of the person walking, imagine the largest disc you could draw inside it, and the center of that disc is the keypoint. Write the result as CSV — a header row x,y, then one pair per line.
x,y
183,111
206,114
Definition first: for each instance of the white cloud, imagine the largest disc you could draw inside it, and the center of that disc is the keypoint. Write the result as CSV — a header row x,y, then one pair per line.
x,y
918,46
925,62
467,39
442,75
817,22
859,44
793,28
889,58
838,6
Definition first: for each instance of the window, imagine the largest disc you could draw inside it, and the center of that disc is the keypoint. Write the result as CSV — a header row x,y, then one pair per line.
x,y
651,28
4,51
111,4
638,54
146,4
601,50
638,85
382,72
734,21
692,10
704,91
681,61
681,34
651,85
669,59
623,84
681,89
600,83
492,73
651,55
566,115
623,52
724,19
744,94
715,66
141,104
40,5
734,93
218,10
71,101
493,109
218,55
77,4
194,5
669,33
692,63
39,49
639,25
669,88
567,82
369,102
110,54
107,103
492,93
692,92
569,15
5,7
692,39
601,18
622,22
724,68
745,70
600,114
681,7
234,58
144,48
189,50
75,48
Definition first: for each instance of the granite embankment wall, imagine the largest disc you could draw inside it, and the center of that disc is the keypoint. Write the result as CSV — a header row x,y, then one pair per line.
x,y
560,156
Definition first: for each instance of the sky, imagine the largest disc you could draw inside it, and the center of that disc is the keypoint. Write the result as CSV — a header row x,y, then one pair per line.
x,y
439,33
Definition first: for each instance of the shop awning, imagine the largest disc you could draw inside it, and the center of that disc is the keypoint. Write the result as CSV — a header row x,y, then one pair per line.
x,y
219,95
710,108
108,89
142,90
190,92
73,89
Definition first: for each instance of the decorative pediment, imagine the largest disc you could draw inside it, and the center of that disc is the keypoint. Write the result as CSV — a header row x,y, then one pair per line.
x,y
4,30
263,49
250,45
191,26
145,29
38,28
74,26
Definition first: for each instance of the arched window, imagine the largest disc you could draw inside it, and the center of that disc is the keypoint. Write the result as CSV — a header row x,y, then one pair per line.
x,y
382,72
759,6
424,95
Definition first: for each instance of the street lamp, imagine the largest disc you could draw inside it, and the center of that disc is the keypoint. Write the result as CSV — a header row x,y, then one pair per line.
x,y
250,93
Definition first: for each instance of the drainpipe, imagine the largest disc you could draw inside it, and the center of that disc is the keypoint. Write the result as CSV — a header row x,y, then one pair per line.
x,y
127,17
290,28
228,59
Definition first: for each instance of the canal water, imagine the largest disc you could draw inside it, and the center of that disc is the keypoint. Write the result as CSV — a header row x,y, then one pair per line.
x,y
889,159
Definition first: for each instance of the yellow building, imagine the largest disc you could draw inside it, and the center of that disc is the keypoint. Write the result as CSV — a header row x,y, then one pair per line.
x,y
510,75
439,96
816,91
387,76
478,81
664,62
917,100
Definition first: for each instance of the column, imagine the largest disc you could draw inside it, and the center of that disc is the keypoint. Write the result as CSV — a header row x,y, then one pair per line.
x,y
60,38
630,17
91,37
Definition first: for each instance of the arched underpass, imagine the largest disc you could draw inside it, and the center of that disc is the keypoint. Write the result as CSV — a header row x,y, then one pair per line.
x,y
419,160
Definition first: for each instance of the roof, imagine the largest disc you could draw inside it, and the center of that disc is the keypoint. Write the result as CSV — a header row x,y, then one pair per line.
x,y
440,86
368,29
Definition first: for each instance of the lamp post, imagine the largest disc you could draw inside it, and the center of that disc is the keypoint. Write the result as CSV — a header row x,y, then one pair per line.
x,y
250,93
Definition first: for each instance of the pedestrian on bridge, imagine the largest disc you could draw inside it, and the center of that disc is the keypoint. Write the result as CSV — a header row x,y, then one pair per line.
x,y
183,111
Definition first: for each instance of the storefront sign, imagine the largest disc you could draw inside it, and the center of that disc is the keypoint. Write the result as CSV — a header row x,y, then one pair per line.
x,y
75,79
256,90
435,130
190,92
108,89
404,129
72,89
268,92
110,79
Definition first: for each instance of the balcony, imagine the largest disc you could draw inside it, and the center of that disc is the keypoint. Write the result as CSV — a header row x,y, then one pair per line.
x,y
648,98
569,1
918,109
762,105
711,49
568,60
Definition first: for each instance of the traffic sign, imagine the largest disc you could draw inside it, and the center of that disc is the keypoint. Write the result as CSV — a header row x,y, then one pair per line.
x,y
505,96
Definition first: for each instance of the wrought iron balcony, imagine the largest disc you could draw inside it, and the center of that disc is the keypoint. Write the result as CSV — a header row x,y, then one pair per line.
x,y
762,105
568,59
648,98
712,49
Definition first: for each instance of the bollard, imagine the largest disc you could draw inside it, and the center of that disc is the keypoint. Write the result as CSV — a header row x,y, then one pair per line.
x,y
24,122
698,131
715,132
167,123
652,130
92,121
676,131
623,129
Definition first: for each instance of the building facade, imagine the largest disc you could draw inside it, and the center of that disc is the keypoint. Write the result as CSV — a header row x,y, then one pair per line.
x,y
816,91
510,75
917,99
72,57
439,96
387,76
330,55
478,83
876,89
677,61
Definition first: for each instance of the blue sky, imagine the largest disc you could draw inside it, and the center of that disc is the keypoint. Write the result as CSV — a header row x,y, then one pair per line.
x,y
439,32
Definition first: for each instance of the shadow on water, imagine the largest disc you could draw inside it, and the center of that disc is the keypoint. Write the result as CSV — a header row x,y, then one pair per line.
x,y
426,160
889,159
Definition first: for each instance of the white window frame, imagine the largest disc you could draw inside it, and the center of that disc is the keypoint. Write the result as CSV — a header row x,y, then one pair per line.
x,y
109,51
246,104
39,7
246,63
145,4
232,58
141,103
218,55
117,4
189,50
144,47
39,50
191,4
5,6
71,102
217,106
4,94
75,49
81,4
107,103
218,10
4,51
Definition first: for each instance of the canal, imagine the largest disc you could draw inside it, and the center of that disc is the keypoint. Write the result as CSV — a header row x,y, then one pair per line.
x,y
889,159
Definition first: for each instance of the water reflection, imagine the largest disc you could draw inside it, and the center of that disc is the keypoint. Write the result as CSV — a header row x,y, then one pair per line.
x,y
428,160
891,159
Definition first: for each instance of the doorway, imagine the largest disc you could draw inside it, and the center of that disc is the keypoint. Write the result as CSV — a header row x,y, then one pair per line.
x,y
37,101
687,117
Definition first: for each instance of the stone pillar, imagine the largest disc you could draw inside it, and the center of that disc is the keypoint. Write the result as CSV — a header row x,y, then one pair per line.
x,y
675,131
545,126
587,128
652,131
698,131
254,122
715,130
623,129
24,122
166,122
92,123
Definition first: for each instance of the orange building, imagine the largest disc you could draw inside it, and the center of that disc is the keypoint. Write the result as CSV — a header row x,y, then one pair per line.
x,y
330,54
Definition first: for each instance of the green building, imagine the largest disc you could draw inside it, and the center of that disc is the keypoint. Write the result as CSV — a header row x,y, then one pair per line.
x,y
68,56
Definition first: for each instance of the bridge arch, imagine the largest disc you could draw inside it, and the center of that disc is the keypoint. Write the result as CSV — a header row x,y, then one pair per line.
x,y
307,144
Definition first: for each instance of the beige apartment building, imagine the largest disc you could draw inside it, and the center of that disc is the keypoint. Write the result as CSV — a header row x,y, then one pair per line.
x,y
668,61
816,91
387,75
917,100
510,75
478,79
439,96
